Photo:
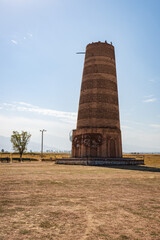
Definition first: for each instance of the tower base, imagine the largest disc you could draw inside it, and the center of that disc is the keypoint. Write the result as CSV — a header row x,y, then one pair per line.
x,y
99,161
96,143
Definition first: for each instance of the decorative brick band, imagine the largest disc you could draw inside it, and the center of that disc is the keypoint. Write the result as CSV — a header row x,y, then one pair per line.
x,y
99,83
92,51
95,122
99,62
97,113
100,68
100,59
100,76
103,106
99,105
104,98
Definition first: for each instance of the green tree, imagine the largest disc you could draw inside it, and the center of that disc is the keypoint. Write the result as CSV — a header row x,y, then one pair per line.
x,y
20,141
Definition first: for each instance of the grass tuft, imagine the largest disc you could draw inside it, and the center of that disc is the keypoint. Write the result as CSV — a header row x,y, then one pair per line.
x,y
24,231
45,224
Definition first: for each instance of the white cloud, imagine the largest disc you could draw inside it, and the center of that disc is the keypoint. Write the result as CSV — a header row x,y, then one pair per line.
x,y
14,41
68,117
21,38
23,103
155,125
133,122
125,127
57,123
152,80
57,134
30,35
149,96
150,100
141,140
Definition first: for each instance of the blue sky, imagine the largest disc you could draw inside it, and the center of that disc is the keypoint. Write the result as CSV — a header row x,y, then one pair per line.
x,y
41,74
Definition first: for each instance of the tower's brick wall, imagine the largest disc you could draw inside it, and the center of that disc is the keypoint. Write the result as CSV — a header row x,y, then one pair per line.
x,y
98,126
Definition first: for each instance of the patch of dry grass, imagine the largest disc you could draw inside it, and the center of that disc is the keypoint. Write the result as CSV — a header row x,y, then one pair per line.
x,y
35,156
47,201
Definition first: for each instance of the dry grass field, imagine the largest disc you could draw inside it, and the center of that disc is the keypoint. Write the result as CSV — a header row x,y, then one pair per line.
x,y
34,156
42,200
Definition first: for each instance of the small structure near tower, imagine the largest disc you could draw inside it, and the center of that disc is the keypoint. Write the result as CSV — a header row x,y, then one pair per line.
x,y
97,138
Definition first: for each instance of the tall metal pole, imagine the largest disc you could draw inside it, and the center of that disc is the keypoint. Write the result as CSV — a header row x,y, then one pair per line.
x,y
42,142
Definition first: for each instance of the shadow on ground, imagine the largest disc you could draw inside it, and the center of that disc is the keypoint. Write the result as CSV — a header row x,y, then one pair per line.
x,y
136,168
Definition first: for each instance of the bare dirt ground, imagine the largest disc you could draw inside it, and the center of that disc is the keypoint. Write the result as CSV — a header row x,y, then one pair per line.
x,y
40,200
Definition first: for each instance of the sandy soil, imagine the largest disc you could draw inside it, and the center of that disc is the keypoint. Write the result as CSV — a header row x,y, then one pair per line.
x,y
46,201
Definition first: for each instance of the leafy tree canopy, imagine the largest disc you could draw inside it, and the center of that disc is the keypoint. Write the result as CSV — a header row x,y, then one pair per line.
x,y
20,141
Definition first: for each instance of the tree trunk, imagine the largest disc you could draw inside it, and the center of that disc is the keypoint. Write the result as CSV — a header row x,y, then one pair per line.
x,y
20,157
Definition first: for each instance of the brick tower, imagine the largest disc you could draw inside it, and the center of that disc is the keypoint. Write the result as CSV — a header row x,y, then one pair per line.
x,y
98,131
